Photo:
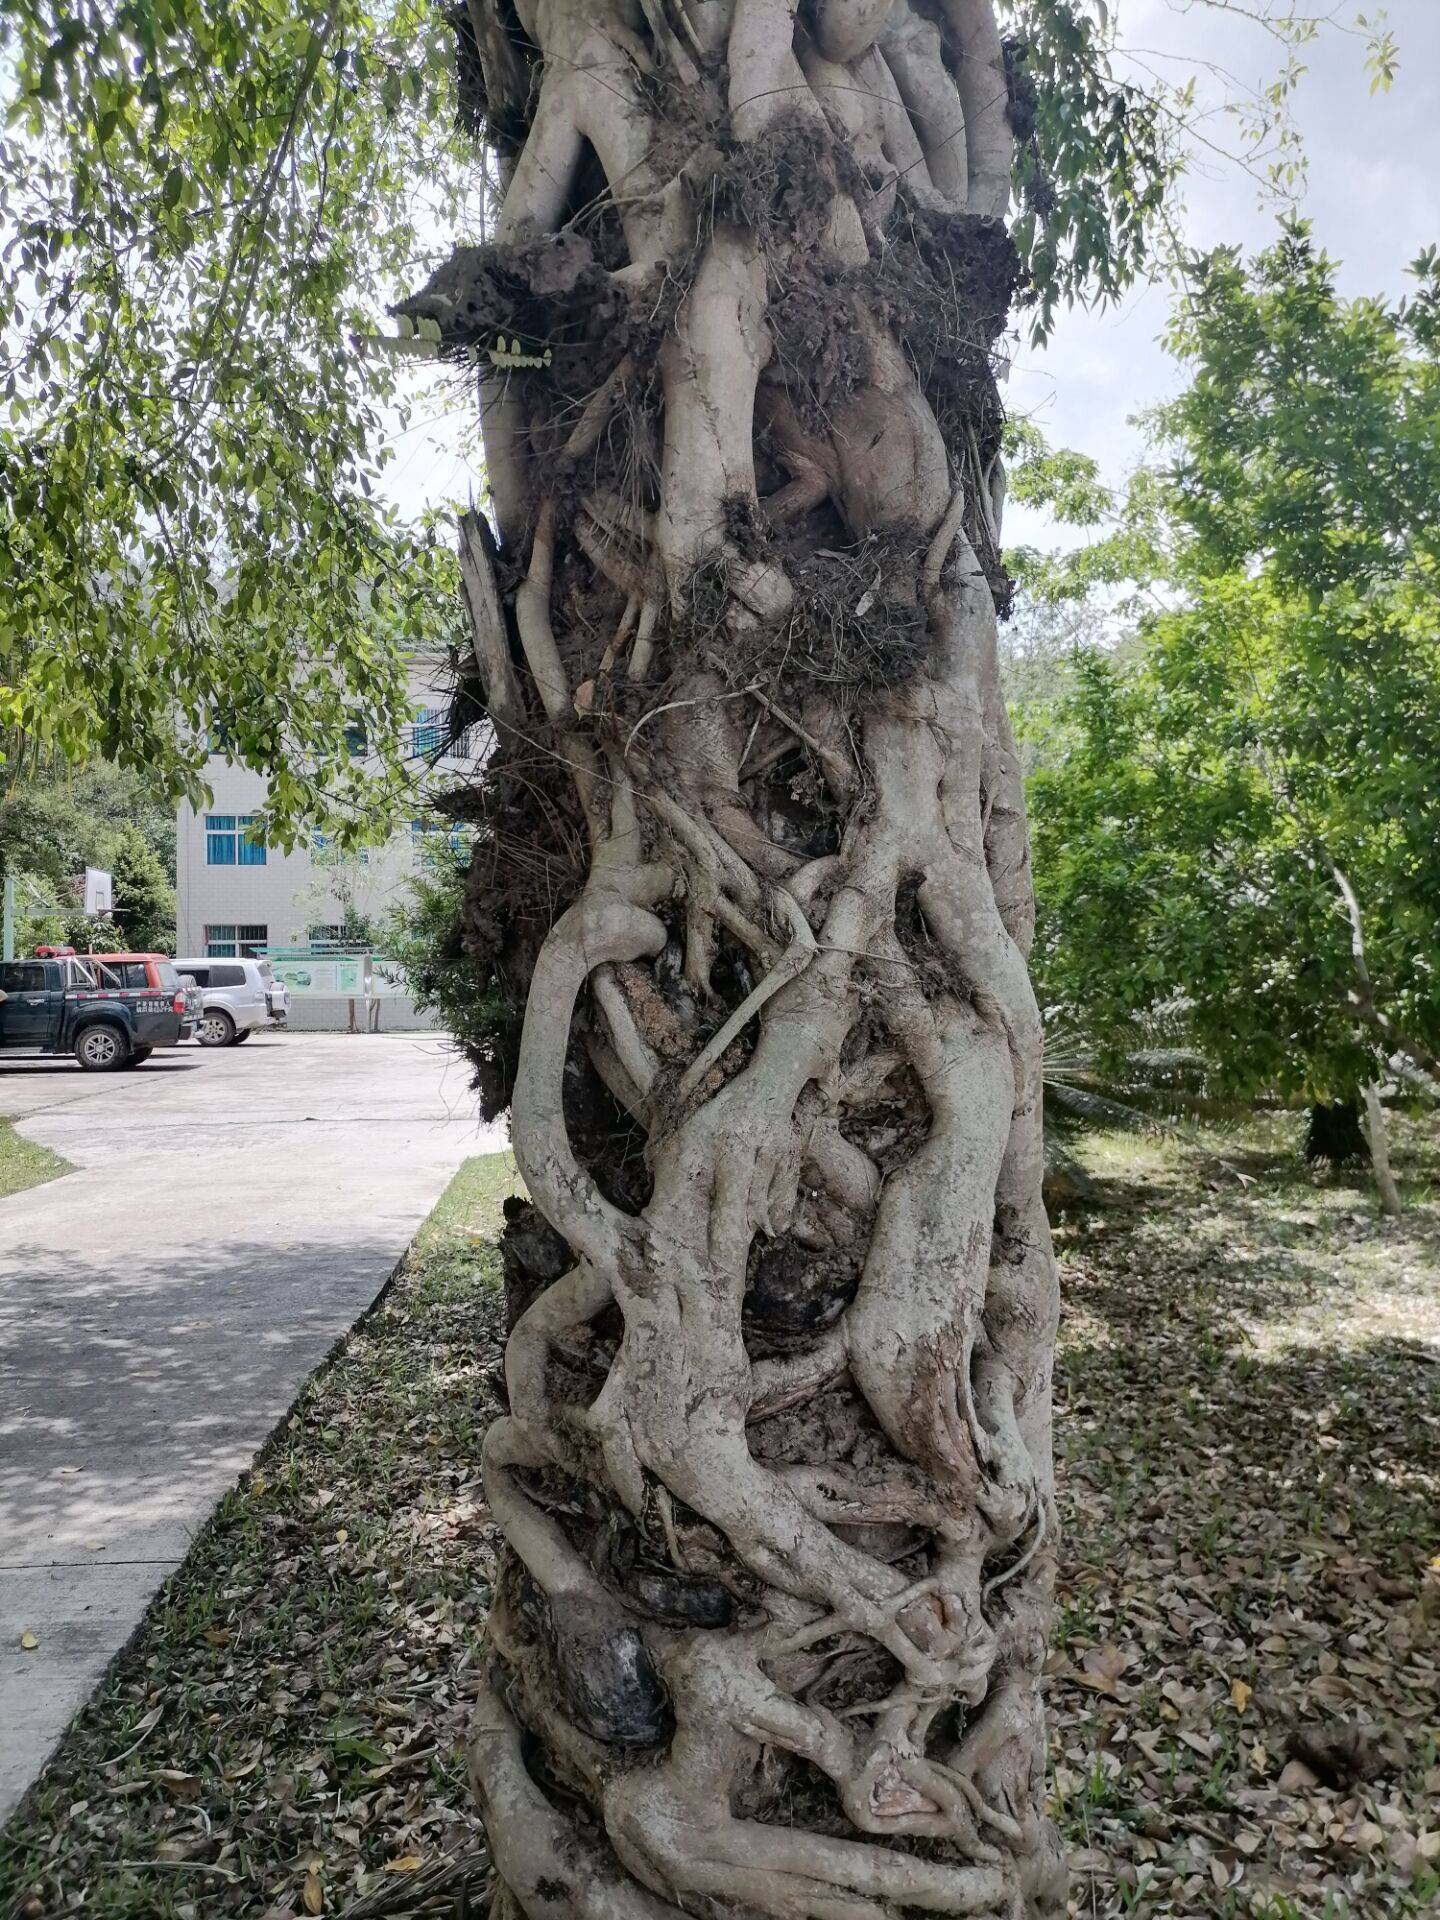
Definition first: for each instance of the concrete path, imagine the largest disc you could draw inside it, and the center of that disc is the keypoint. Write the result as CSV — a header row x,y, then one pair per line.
x,y
232,1213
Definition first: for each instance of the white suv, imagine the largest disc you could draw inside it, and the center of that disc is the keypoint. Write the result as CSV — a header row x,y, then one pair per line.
x,y
238,997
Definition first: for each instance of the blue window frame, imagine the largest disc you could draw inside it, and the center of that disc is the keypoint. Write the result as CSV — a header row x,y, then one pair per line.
x,y
232,839
220,943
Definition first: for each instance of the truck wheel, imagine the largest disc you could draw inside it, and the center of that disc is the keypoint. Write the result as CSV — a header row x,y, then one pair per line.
x,y
138,1055
102,1048
217,1029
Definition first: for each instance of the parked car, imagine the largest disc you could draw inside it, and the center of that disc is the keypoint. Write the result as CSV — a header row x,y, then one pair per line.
x,y
110,1010
238,997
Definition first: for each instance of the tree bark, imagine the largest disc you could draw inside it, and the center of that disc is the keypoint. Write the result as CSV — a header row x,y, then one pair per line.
x,y
1379,1136
776,1475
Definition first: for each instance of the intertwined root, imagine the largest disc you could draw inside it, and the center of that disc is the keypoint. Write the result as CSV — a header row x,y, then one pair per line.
x,y
775,1478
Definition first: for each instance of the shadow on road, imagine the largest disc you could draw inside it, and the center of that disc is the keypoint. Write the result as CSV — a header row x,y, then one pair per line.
x,y
131,1394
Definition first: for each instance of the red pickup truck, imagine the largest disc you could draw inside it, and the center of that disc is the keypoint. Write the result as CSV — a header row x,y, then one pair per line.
x,y
109,1009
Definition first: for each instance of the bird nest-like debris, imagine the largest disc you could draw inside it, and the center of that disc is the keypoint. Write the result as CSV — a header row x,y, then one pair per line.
x,y
857,622
779,185
493,61
947,282
547,305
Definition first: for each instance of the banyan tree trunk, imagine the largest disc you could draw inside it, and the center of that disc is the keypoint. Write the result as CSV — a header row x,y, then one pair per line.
x,y
775,1477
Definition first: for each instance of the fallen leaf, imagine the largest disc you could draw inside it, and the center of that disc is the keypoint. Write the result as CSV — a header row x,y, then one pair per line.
x,y
1296,1777
185,1785
313,1894
1241,1692
407,1863
28,1641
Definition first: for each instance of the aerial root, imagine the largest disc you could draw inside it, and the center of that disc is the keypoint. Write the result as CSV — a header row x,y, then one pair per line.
x,y
791,1874
796,957
553,1871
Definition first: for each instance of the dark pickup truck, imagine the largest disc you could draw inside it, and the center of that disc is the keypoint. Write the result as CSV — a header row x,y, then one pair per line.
x,y
110,1010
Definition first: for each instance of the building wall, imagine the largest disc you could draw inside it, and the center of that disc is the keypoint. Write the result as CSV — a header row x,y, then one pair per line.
x,y
291,892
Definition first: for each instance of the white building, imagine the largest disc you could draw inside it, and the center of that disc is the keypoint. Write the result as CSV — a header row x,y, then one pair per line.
x,y
235,895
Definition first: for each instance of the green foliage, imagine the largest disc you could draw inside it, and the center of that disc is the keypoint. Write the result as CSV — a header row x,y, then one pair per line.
x,y
205,199
1276,725
426,936
1144,1080
58,823
1099,168
1106,140
144,894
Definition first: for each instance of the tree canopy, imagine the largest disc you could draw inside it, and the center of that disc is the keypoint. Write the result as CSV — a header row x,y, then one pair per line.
x,y
1236,806
56,823
203,202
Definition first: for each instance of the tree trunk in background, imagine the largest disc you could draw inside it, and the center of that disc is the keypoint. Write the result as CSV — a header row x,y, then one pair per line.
x,y
1379,1137
776,1477
1334,1135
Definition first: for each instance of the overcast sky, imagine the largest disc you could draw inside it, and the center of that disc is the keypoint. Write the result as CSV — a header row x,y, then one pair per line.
x,y
1373,195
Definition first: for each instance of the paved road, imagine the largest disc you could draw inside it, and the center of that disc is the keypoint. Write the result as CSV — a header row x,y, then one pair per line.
x,y
232,1213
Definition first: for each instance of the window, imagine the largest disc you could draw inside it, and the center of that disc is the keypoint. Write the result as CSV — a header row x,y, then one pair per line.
x,y
355,740
252,842
425,733
219,839
227,976
123,973
22,976
233,943
200,975
233,839
429,838
318,935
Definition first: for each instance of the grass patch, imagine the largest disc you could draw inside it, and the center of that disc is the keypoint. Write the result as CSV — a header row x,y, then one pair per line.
x,y
1248,1429
23,1164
